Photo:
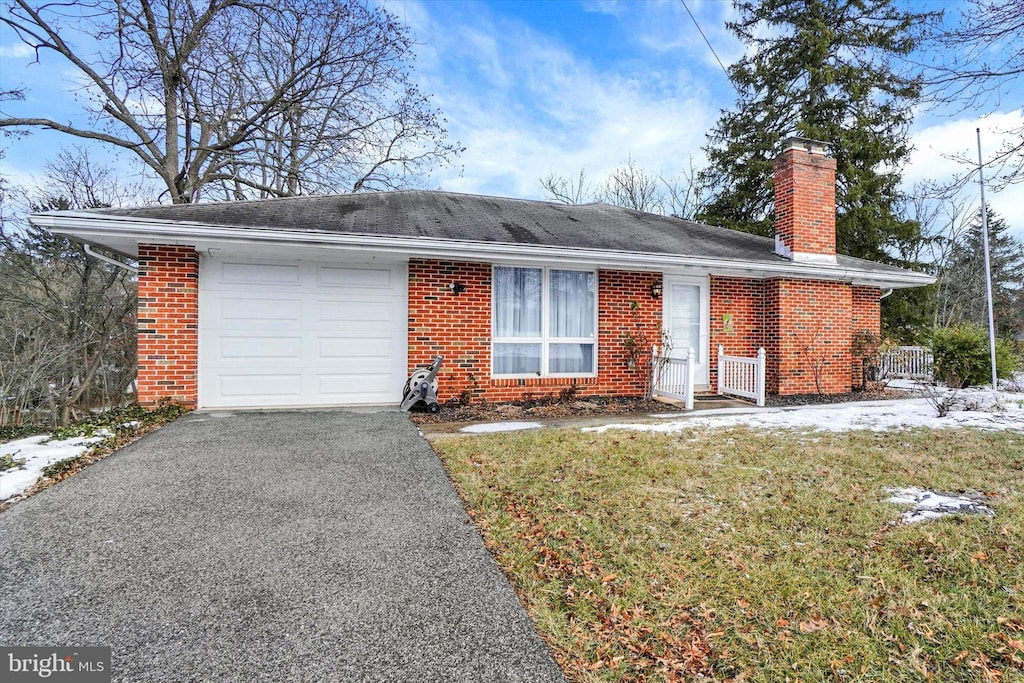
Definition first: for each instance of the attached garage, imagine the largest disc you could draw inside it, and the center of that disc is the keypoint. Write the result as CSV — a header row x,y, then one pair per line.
x,y
301,333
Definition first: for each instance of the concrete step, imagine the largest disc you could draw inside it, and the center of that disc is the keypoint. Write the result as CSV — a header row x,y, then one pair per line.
x,y
707,402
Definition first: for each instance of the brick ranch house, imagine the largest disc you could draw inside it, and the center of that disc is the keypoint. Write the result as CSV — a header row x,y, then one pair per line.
x,y
332,300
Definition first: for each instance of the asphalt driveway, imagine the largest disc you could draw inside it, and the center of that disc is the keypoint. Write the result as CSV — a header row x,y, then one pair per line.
x,y
273,546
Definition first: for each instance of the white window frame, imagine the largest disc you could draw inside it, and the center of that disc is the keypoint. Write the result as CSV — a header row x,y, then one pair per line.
x,y
545,340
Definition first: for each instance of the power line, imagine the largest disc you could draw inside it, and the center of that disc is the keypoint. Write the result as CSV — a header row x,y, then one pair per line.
x,y
701,31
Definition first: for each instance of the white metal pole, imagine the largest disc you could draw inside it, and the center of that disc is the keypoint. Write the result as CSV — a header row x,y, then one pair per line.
x,y
655,371
988,266
721,368
761,356
689,378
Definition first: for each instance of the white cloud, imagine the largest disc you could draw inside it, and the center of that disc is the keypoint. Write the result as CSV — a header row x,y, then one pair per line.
x,y
664,26
612,7
525,105
17,51
667,26
949,148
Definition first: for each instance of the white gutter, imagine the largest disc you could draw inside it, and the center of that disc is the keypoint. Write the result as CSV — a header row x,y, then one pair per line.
x,y
93,226
107,259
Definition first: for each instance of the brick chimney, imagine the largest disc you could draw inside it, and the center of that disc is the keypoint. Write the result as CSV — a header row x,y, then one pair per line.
x,y
805,202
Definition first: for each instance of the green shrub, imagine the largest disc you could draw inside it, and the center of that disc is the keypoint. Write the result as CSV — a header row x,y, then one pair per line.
x,y
9,462
962,356
20,431
56,470
120,420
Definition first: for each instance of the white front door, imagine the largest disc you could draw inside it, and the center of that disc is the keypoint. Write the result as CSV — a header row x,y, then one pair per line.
x,y
686,321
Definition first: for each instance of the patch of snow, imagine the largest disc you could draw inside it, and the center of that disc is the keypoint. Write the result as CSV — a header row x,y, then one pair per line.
x,y
710,411
905,384
1014,384
38,452
491,427
875,416
974,399
11,446
935,504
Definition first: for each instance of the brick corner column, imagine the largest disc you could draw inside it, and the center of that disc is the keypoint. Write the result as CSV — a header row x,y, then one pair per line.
x,y
867,317
168,325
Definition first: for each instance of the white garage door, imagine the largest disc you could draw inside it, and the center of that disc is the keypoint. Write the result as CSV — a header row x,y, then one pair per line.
x,y
301,333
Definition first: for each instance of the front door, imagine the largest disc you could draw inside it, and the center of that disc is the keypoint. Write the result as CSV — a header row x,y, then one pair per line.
x,y
686,321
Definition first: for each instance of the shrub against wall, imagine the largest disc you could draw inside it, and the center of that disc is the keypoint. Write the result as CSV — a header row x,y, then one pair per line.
x,y
962,356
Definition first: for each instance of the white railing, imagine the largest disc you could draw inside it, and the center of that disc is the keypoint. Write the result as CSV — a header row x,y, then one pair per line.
x,y
906,362
743,377
673,377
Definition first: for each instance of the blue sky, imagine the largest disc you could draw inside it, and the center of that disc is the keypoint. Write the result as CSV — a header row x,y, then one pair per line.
x,y
532,88
538,87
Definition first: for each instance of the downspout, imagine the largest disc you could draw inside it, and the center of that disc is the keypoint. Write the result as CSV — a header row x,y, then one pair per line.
x,y
886,294
107,259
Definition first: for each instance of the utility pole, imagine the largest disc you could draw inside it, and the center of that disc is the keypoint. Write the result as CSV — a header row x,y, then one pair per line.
x,y
988,266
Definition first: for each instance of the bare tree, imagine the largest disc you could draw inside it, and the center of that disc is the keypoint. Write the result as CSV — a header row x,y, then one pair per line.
x,y
67,327
686,194
951,246
568,190
950,220
979,64
242,99
633,187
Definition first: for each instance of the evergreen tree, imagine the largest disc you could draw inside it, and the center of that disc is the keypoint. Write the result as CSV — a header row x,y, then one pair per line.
x,y
821,69
908,314
961,286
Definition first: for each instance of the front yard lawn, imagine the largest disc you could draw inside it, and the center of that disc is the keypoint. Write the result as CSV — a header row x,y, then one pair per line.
x,y
756,556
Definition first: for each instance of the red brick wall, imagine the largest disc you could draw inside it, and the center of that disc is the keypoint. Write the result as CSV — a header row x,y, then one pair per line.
x,y
808,336
805,202
867,315
168,324
867,309
626,309
806,327
737,319
458,326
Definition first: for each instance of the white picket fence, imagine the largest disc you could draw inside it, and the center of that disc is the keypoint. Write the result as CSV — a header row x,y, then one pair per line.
x,y
906,362
743,377
673,377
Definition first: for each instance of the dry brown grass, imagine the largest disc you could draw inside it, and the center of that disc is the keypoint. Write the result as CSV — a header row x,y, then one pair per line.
x,y
748,556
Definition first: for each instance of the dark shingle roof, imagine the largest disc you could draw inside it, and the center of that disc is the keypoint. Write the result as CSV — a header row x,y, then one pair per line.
x,y
477,218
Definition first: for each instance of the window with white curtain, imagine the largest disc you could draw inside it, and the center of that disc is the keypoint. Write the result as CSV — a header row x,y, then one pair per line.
x,y
545,321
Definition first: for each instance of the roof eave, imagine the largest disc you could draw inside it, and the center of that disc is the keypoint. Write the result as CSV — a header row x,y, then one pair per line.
x,y
91,227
